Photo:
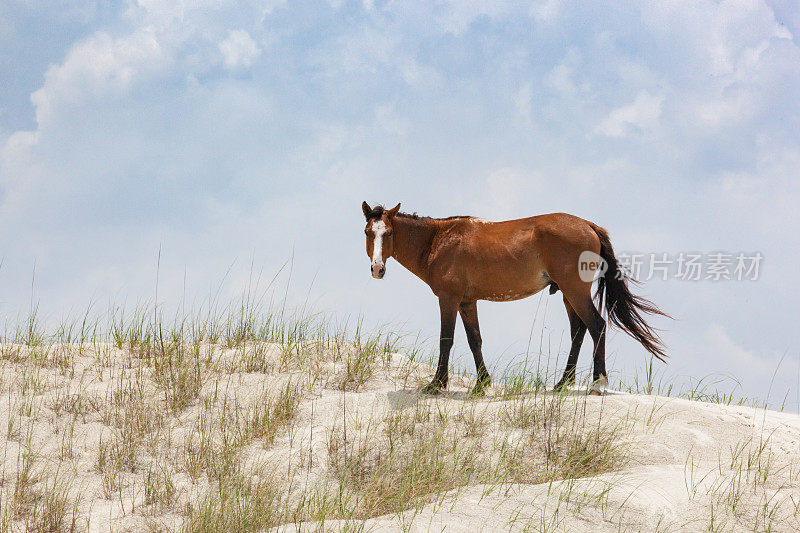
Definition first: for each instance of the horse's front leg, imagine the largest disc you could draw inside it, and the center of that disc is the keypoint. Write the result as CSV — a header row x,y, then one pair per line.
x,y
448,308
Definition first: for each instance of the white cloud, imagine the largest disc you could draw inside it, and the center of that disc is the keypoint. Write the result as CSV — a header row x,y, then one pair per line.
x,y
721,345
726,109
641,115
765,197
504,192
269,8
100,67
460,14
143,137
420,76
786,13
368,50
522,99
769,370
560,79
545,10
239,50
389,121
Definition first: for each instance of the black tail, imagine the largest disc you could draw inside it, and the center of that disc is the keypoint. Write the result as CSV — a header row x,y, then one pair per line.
x,y
624,308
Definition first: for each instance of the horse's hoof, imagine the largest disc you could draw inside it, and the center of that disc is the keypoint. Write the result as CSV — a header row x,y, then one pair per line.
x,y
480,387
599,386
433,388
563,385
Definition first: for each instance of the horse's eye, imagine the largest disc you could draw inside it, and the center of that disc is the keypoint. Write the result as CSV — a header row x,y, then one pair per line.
x,y
389,233
366,232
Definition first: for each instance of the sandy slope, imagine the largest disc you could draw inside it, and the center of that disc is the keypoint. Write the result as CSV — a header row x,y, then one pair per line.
x,y
679,472
691,466
688,466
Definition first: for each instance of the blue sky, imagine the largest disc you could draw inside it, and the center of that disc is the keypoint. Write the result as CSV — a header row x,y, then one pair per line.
x,y
237,133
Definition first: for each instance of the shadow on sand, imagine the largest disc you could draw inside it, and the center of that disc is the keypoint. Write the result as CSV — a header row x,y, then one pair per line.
x,y
402,399
410,397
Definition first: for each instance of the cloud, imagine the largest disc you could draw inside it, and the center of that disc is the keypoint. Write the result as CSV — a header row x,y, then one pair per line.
x,y
787,15
100,67
720,344
773,373
545,10
523,100
420,76
640,116
239,50
460,14
221,131
503,188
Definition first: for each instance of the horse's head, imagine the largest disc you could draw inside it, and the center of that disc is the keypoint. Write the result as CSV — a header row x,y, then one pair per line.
x,y
380,243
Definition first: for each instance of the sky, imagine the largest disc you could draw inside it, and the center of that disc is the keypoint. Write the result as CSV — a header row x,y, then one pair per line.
x,y
189,144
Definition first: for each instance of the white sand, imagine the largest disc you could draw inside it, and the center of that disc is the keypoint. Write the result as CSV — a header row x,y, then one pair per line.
x,y
687,467
677,475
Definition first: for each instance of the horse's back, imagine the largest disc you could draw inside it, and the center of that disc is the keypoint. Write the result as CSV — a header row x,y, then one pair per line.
x,y
563,226
520,244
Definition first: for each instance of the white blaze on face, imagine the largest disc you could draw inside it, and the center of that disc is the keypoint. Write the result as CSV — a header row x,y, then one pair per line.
x,y
378,229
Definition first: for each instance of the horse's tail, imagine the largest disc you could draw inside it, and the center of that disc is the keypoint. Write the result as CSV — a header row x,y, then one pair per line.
x,y
625,309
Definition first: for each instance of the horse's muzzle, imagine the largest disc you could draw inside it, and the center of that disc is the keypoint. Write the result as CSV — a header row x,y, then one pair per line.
x,y
378,271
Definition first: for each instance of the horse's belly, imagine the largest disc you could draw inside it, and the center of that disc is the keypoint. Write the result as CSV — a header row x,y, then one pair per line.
x,y
509,295
507,292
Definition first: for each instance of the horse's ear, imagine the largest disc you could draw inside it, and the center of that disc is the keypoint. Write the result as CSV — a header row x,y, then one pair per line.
x,y
366,209
393,211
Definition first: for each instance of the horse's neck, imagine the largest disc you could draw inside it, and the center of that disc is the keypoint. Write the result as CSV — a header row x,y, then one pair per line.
x,y
412,243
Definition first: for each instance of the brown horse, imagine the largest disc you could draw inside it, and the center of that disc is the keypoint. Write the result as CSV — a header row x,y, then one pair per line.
x,y
465,259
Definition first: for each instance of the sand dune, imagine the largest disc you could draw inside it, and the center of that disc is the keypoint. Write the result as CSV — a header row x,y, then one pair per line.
x,y
332,435
683,474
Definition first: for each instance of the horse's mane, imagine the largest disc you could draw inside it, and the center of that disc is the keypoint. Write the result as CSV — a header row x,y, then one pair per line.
x,y
378,210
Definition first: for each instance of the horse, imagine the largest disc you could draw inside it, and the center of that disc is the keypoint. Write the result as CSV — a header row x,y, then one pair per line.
x,y
465,259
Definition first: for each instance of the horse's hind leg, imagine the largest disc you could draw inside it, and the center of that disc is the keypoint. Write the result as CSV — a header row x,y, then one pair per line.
x,y
577,330
469,316
584,307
